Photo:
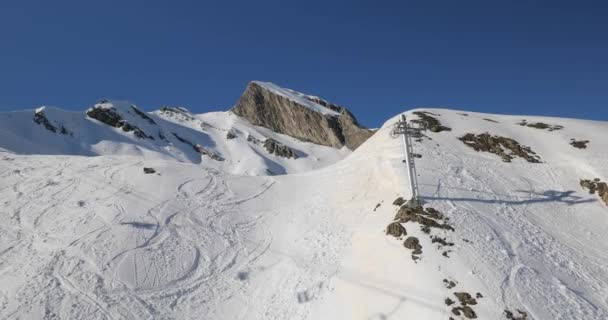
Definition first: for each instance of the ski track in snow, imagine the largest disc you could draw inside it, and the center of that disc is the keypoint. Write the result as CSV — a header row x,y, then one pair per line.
x,y
95,238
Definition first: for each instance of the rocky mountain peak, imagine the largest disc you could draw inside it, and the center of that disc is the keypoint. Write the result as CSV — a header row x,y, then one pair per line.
x,y
305,117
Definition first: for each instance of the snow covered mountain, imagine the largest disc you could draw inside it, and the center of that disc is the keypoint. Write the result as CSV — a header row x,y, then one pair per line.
x,y
220,140
508,229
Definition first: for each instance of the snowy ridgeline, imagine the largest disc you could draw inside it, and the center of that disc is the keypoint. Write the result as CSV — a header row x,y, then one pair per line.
x,y
97,238
219,140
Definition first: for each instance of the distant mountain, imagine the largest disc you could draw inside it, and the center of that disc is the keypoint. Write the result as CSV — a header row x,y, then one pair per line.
x,y
292,132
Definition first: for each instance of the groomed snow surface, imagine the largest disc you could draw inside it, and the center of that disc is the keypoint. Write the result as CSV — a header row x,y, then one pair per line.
x,y
96,238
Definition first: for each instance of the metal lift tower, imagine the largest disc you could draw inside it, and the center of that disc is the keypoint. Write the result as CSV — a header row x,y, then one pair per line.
x,y
407,130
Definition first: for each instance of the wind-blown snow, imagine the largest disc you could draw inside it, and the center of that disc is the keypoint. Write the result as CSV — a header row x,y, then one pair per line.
x,y
96,238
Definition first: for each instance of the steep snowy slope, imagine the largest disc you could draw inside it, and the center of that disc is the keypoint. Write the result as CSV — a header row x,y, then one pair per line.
x,y
219,140
96,238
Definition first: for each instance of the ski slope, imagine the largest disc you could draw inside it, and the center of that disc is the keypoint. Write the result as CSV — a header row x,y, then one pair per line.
x,y
94,237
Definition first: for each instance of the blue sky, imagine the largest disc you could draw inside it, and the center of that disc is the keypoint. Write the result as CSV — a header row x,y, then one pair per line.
x,y
376,57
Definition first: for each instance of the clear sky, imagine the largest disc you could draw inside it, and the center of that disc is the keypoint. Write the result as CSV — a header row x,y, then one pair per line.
x,y
376,57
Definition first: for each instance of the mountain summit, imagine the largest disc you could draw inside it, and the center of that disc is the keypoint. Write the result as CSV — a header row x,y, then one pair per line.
x,y
305,117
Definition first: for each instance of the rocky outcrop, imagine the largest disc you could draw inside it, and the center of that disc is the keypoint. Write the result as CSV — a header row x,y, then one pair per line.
x,y
143,115
149,170
579,144
496,144
111,117
541,125
413,243
41,119
396,230
279,149
303,117
431,122
199,148
596,185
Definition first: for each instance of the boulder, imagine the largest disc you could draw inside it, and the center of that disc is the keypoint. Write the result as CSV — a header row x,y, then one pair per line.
x,y
396,230
149,170
413,243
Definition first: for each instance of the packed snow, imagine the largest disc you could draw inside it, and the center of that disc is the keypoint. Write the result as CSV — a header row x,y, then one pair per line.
x,y
87,234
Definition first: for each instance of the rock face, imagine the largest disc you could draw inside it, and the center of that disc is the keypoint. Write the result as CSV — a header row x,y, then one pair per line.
x,y
304,117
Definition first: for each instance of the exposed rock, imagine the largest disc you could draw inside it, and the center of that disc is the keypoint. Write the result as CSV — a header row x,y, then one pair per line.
x,y
162,136
478,295
396,230
413,243
497,145
149,170
399,202
596,185
264,107
279,149
41,119
199,148
449,301
425,229
449,283
108,116
230,135
465,298
112,118
417,214
466,311
441,241
431,122
178,113
580,144
143,115
377,206
541,125
253,139
511,316
490,120
127,127
204,151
